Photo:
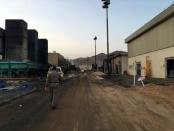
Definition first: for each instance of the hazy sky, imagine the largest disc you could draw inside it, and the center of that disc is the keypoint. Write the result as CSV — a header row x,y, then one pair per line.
x,y
70,25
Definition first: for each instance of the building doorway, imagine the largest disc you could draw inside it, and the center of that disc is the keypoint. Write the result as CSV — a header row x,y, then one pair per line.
x,y
170,68
138,69
116,69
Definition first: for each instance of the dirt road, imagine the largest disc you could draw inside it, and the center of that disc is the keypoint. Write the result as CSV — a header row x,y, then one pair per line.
x,y
88,104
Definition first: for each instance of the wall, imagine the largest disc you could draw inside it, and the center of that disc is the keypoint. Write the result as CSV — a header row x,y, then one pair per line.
x,y
158,64
53,59
124,63
158,38
116,63
121,62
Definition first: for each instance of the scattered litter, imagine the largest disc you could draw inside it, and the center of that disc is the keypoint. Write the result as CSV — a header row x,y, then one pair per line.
x,y
2,84
9,88
98,75
21,105
141,79
25,85
13,85
98,78
71,75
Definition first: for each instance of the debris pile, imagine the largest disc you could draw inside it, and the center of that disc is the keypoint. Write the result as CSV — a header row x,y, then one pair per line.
x,y
13,85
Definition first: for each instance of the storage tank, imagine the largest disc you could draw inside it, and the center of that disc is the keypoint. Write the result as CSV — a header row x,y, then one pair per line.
x,y
2,43
16,45
33,45
43,51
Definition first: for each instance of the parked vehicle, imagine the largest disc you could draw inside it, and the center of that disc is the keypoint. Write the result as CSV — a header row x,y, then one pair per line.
x,y
59,70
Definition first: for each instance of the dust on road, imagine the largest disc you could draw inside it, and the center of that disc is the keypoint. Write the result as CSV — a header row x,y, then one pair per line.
x,y
89,104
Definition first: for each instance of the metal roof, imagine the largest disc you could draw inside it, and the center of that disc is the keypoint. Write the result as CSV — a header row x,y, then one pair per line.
x,y
117,54
163,16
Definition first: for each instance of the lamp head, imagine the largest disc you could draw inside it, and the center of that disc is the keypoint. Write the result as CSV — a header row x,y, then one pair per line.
x,y
95,38
106,3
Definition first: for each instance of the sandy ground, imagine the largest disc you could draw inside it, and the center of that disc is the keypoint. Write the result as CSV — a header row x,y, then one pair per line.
x,y
88,103
149,108
160,94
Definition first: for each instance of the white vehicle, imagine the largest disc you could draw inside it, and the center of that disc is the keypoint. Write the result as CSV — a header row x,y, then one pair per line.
x,y
59,70
82,71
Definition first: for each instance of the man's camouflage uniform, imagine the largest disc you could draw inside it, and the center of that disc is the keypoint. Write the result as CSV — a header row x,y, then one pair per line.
x,y
52,83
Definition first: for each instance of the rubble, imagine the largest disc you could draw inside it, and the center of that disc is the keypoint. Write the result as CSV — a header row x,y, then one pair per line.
x,y
13,89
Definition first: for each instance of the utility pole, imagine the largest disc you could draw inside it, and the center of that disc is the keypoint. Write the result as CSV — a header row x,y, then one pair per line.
x,y
106,6
88,63
95,38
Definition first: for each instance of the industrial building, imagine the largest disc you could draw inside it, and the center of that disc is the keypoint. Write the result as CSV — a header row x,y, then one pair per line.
x,y
2,43
33,45
151,48
43,51
16,37
118,63
55,59
21,52
19,39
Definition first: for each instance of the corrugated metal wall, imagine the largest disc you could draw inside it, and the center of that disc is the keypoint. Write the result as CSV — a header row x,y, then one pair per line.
x,y
158,38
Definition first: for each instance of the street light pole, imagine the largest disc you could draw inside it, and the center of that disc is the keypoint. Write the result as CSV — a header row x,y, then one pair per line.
x,y
95,38
106,6
107,28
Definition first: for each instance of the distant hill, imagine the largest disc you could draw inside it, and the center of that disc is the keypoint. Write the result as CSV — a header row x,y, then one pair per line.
x,y
90,60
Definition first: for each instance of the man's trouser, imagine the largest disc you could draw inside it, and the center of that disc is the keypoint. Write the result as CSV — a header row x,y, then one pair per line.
x,y
52,96
53,90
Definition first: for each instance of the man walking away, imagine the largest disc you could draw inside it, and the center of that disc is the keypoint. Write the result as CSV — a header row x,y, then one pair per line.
x,y
52,83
